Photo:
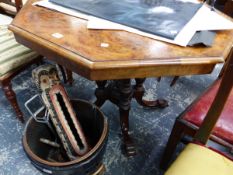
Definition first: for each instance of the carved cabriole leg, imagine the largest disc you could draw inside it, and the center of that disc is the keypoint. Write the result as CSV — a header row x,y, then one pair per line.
x,y
126,94
120,93
10,95
139,92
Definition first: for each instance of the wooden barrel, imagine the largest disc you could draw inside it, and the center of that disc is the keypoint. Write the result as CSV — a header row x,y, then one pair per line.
x,y
95,127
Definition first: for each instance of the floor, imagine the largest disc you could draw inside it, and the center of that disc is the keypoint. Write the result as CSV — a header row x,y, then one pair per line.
x,y
150,128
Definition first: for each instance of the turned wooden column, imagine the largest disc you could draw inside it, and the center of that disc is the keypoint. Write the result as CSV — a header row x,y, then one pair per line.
x,y
125,93
10,95
121,92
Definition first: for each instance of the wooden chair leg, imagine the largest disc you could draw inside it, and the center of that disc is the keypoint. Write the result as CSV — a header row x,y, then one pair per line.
x,y
175,137
10,95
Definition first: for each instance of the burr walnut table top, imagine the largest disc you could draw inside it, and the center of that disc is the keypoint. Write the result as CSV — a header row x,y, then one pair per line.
x,y
108,54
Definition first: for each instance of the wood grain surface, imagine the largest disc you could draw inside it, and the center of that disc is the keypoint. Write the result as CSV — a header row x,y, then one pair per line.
x,y
127,56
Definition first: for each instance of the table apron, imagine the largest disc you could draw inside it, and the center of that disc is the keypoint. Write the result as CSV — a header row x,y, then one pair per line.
x,y
116,72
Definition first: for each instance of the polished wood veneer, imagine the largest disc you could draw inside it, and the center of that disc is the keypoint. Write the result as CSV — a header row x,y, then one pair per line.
x,y
127,56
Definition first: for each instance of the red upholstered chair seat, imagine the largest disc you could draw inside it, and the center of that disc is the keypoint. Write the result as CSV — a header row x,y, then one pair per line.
x,y
197,111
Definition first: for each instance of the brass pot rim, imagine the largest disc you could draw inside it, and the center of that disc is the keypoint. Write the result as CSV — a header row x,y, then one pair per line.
x,y
69,163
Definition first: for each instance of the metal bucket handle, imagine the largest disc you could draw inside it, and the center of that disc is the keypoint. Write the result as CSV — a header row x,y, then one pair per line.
x,y
44,119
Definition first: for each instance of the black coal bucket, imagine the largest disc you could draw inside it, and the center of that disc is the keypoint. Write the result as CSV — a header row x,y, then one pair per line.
x,y
94,126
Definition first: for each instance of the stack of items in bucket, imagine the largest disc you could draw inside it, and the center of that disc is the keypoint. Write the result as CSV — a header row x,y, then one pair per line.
x,y
64,136
63,121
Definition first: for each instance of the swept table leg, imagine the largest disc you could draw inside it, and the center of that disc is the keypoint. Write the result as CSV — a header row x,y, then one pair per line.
x,y
119,92
129,147
139,92
126,93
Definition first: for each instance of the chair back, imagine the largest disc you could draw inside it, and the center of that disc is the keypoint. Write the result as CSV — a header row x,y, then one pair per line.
x,y
10,6
217,106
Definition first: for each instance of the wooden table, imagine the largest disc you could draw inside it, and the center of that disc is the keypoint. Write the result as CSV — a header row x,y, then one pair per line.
x,y
103,55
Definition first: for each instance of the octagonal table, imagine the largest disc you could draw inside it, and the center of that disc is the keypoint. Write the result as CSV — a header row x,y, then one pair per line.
x,y
103,55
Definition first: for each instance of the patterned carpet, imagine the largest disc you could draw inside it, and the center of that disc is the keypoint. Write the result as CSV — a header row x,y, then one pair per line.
x,y
150,128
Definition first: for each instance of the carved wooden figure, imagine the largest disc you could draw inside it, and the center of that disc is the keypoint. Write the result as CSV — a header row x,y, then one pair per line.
x,y
60,111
